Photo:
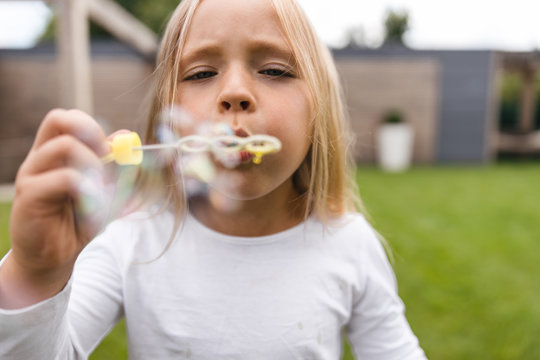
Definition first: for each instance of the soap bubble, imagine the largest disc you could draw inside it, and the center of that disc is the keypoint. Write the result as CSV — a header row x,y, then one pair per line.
x,y
194,187
93,194
196,154
201,153
102,194
199,166
222,129
222,203
178,119
123,191
228,159
164,135
216,193
101,200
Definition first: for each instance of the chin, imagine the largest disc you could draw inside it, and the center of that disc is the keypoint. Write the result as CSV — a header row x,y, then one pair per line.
x,y
235,185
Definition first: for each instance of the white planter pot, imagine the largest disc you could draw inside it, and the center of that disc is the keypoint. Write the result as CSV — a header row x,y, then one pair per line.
x,y
394,146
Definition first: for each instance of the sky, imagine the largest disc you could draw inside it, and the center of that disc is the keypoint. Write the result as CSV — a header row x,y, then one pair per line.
x,y
510,25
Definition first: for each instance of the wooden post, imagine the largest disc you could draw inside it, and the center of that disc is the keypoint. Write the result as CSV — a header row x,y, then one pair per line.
x,y
528,98
124,26
73,47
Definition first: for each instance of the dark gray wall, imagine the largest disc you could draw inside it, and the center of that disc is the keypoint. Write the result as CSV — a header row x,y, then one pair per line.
x,y
467,98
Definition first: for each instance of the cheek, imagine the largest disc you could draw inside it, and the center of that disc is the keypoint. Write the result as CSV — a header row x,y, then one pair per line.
x,y
196,104
296,119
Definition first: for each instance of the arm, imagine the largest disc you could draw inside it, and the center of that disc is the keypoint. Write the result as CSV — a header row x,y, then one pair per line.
x,y
47,236
70,324
378,328
23,331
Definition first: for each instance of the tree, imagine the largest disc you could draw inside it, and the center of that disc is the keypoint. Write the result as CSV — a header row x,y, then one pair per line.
x,y
153,14
396,25
355,38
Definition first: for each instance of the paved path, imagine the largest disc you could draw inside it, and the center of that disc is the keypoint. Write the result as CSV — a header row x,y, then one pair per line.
x,y
6,192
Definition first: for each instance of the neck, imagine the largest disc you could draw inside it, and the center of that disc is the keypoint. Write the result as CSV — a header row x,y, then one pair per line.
x,y
275,212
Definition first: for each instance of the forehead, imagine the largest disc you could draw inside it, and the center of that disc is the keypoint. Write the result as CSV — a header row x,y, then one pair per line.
x,y
230,21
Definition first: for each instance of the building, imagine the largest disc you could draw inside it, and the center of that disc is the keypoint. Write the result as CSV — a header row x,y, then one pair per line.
x,y
450,98
29,88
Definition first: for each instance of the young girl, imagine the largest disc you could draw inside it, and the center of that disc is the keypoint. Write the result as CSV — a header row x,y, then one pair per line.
x,y
279,273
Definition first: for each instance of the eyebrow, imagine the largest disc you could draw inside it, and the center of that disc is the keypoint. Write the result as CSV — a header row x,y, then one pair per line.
x,y
256,47
270,47
204,51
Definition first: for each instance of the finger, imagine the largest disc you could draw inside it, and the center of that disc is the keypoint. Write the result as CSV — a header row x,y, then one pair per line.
x,y
53,194
118,132
57,185
110,157
72,122
63,150
54,191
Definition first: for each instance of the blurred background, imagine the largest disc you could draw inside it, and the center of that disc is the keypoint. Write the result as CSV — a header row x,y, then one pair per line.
x,y
443,99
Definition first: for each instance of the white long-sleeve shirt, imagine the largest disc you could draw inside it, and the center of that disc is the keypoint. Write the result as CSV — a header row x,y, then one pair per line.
x,y
214,296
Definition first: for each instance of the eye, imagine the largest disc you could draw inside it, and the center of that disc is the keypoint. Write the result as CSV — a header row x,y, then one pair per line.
x,y
276,72
201,75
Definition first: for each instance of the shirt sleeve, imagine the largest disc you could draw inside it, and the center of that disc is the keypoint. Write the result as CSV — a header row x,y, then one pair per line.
x,y
69,325
37,331
378,328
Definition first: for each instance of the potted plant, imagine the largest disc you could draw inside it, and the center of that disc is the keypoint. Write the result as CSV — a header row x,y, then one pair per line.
x,y
394,142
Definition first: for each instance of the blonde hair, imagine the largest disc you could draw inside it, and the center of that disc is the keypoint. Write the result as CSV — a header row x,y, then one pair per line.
x,y
325,178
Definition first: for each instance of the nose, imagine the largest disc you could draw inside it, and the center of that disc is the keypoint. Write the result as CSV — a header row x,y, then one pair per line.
x,y
236,92
229,104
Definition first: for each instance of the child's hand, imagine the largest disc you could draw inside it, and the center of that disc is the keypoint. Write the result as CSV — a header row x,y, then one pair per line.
x,y
46,234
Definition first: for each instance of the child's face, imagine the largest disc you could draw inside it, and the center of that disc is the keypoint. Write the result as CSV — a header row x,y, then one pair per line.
x,y
237,68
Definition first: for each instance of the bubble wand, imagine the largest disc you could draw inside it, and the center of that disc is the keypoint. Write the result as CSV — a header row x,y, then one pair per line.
x,y
127,148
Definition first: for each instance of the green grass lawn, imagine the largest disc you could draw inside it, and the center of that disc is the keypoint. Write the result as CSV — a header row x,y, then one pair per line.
x,y
467,245
466,242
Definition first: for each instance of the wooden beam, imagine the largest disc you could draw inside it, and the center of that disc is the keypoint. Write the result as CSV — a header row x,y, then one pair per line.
x,y
121,24
519,143
124,26
528,101
74,55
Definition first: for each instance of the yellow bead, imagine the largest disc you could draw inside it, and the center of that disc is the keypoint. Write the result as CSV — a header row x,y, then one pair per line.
x,y
260,147
122,149
257,158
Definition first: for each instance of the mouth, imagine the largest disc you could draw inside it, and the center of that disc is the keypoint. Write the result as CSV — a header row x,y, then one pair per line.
x,y
234,160
236,147
245,156
240,132
229,153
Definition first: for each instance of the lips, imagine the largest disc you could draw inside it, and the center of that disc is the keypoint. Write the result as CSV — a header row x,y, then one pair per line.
x,y
245,156
241,132
235,158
